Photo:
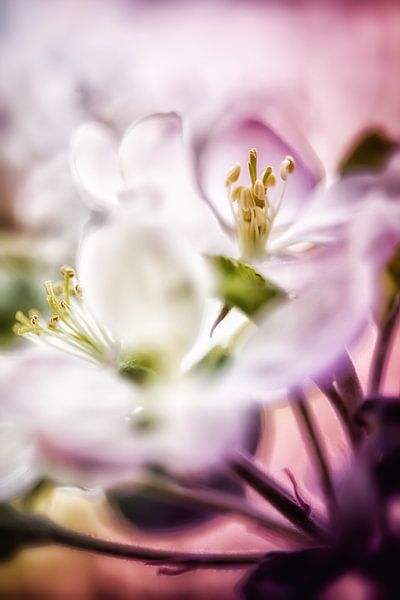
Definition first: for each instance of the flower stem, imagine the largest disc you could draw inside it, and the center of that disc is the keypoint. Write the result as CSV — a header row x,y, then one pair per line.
x,y
311,435
21,530
349,385
383,345
226,504
354,432
270,489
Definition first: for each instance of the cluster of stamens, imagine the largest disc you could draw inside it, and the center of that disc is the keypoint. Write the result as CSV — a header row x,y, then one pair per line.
x,y
70,326
255,213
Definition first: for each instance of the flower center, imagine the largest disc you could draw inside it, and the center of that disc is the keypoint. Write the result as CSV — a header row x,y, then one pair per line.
x,y
253,211
70,327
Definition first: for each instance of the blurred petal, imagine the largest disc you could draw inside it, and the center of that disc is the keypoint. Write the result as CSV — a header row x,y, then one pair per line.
x,y
17,470
145,284
305,336
152,156
94,164
84,422
151,150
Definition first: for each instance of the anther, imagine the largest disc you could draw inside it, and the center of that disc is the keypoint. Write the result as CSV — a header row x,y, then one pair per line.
x,y
53,322
236,192
34,319
259,189
270,181
233,174
287,167
67,271
246,199
266,174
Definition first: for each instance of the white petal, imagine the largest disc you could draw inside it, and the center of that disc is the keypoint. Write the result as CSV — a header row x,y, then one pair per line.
x,y
94,164
306,335
17,469
145,284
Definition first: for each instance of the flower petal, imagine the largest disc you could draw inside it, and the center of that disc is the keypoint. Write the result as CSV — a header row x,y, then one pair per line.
x,y
84,421
145,284
17,469
152,156
305,336
94,164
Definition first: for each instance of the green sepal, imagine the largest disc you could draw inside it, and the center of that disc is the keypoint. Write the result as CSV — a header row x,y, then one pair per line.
x,y
213,361
240,286
370,152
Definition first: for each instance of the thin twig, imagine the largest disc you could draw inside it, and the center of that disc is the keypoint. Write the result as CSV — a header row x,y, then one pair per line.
x,y
279,497
226,504
383,345
353,430
311,434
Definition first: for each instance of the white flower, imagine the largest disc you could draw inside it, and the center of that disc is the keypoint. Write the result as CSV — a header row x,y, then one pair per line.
x,y
88,424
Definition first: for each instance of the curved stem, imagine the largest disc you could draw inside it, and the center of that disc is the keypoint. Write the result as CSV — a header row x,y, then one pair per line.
x,y
78,541
383,344
19,530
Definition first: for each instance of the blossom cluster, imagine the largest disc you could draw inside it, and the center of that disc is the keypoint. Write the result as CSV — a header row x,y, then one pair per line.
x,y
218,271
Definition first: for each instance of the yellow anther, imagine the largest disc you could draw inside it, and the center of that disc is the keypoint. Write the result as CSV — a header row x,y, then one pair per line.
x,y
260,216
266,174
287,167
53,322
233,174
64,305
17,329
78,290
271,180
67,271
236,192
259,190
34,319
246,199
246,215
21,318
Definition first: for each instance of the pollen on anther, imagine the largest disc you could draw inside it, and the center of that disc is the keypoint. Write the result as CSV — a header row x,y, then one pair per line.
x,y
67,271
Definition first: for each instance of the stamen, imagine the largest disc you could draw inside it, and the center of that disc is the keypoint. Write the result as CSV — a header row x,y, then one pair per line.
x,y
254,213
70,327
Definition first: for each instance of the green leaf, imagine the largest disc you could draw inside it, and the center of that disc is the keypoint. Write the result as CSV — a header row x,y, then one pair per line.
x,y
240,286
371,151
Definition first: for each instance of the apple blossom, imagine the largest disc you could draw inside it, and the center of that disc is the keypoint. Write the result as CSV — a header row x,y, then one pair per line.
x,y
102,424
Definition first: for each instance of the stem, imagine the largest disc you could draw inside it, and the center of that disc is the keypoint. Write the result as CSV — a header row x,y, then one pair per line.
x,y
22,530
354,432
311,434
383,344
226,503
349,385
78,541
280,498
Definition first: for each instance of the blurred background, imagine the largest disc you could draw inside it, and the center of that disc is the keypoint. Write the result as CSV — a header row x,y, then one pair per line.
x,y
326,70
